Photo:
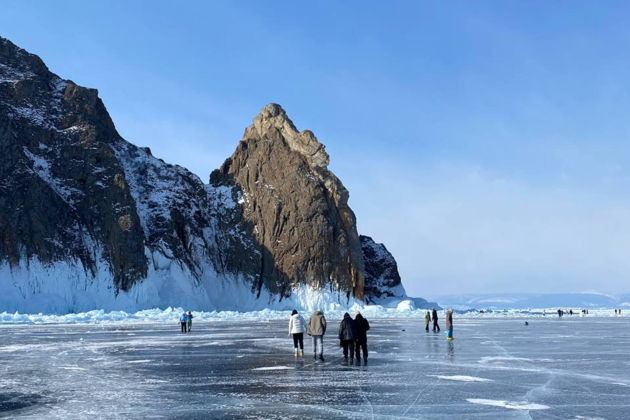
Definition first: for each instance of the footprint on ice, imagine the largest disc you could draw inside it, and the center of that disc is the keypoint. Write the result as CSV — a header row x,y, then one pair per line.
x,y
508,404
274,368
462,378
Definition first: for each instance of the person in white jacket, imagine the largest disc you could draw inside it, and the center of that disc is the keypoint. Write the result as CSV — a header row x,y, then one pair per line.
x,y
297,327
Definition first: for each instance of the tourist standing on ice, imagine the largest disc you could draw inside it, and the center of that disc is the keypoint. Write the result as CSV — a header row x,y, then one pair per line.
x,y
436,327
347,335
183,321
361,327
449,325
189,320
316,328
427,321
297,327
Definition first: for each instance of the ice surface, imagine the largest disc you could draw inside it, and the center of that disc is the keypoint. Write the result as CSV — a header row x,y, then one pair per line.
x,y
570,368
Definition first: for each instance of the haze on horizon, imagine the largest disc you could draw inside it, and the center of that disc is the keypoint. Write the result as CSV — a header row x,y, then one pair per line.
x,y
485,143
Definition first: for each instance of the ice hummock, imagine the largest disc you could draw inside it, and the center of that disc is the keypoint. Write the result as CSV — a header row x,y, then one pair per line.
x,y
405,309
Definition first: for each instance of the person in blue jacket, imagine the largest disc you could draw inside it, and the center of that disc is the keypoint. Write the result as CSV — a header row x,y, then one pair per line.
x,y
184,322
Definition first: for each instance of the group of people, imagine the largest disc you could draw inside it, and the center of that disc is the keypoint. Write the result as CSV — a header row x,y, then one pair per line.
x,y
433,316
352,335
352,332
186,322
617,311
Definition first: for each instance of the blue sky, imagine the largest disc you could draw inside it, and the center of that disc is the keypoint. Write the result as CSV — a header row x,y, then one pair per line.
x,y
485,143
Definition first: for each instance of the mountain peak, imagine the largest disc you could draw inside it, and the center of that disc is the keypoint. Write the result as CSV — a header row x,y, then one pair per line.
x,y
18,63
272,123
272,110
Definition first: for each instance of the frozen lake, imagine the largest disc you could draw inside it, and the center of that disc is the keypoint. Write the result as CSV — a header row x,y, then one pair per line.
x,y
496,368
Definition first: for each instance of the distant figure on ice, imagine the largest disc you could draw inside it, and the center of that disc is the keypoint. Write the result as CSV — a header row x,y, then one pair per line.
x,y
436,327
183,321
570,311
316,328
449,325
361,327
526,323
615,312
347,335
190,317
427,321
297,327
560,313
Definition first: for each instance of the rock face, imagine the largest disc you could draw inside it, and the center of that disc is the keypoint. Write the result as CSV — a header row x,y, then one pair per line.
x,y
382,280
297,209
61,186
88,220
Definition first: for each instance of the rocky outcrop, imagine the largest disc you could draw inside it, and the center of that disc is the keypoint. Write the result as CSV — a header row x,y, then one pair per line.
x,y
382,280
62,188
297,209
79,201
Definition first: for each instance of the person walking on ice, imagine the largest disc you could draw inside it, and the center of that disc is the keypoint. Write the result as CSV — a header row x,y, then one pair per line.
x,y
189,320
316,328
449,325
427,321
436,327
183,320
297,327
361,326
347,335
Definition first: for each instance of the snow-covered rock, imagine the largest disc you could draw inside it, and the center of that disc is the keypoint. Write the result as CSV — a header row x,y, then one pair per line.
x,y
91,221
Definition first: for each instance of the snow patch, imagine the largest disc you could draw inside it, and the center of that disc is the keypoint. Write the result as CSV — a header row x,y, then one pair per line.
x,y
507,404
266,368
461,378
41,167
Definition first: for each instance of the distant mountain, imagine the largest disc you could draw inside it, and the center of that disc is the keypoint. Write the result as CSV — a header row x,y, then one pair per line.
x,y
533,300
89,220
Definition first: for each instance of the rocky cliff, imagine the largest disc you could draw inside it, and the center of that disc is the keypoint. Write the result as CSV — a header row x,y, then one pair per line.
x,y
89,220
297,209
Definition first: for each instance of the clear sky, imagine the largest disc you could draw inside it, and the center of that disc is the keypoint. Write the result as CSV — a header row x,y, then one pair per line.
x,y
486,143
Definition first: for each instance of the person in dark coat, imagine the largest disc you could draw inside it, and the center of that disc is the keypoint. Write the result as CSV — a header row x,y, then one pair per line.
x,y
436,327
361,327
347,335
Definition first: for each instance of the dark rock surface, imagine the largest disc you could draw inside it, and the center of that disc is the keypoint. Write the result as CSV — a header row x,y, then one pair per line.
x,y
298,208
381,271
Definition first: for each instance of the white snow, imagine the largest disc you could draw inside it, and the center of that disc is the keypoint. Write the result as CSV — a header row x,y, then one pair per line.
x,y
41,167
274,368
507,404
